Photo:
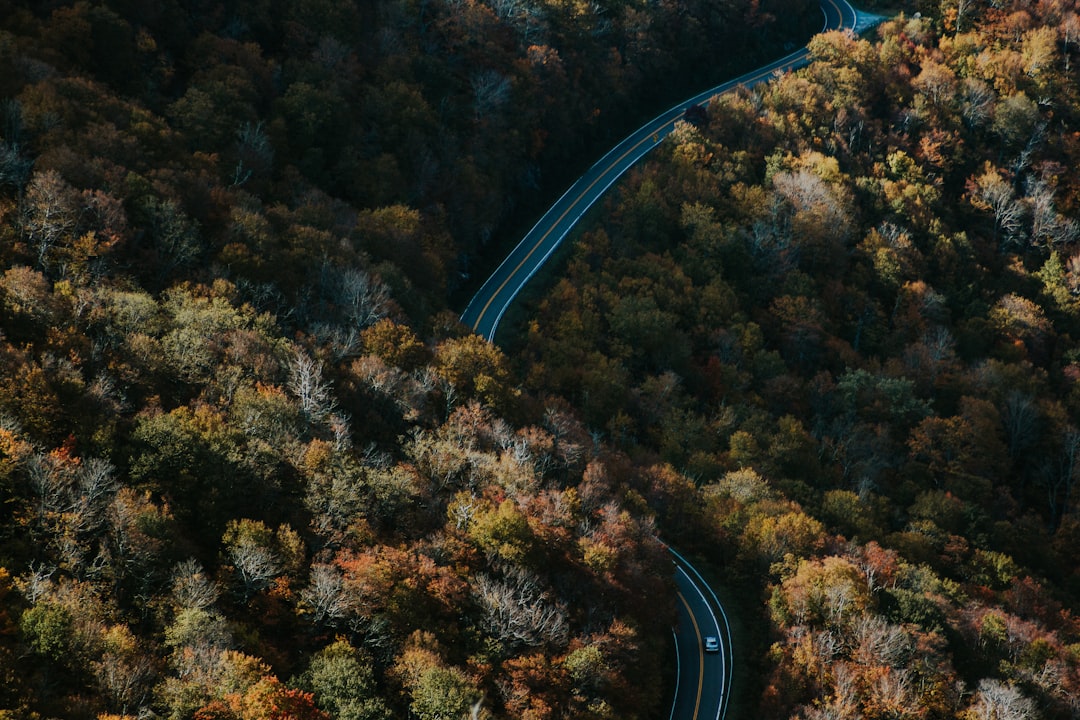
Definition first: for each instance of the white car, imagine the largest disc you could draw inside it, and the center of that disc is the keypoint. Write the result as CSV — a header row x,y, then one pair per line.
x,y
711,644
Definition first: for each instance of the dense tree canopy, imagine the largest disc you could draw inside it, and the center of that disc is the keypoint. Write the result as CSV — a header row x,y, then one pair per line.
x,y
844,310
251,466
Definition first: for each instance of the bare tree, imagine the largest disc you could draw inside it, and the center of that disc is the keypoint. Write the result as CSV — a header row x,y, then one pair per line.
x,y
1020,416
365,300
326,596
255,154
257,565
937,83
257,553
125,671
990,191
1048,226
50,214
963,7
95,489
48,486
1059,474
14,168
976,102
71,504
308,386
879,642
350,300
525,16
491,91
518,611
443,461
894,692
191,588
997,700
838,599
133,551
340,430
806,191
36,583
843,704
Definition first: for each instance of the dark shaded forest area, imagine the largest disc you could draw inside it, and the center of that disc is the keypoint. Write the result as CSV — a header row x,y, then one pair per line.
x,y
250,466
844,316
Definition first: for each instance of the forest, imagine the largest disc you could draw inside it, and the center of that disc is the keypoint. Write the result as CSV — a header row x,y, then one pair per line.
x,y
842,318
252,467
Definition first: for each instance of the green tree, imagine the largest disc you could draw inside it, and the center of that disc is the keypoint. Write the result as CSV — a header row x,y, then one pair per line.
x,y
46,628
437,691
501,531
1016,118
442,693
192,457
176,239
316,119
342,680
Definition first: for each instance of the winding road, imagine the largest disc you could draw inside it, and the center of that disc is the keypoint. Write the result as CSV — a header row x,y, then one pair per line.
x,y
703,679
490,302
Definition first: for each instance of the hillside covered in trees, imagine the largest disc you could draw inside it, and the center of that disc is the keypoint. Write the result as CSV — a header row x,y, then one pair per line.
x,y
843,318
250,466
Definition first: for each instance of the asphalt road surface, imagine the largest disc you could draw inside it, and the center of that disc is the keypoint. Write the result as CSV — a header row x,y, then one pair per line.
x,y
488,305
703,680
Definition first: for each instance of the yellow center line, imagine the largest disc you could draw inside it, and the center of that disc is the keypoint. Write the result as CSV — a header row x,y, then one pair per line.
x,y
839,13
483,311
701,656
555,224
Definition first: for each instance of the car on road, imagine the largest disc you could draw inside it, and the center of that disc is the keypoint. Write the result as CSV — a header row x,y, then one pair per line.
x,y
712,644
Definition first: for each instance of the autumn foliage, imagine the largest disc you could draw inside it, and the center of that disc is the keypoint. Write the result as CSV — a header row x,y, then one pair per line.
x,y
844,311
252,467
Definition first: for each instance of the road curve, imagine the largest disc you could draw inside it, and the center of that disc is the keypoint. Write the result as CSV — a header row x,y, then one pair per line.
x,y
703,680
490,302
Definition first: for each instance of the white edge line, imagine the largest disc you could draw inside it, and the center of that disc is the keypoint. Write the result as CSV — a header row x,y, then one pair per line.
x,y
562,236
660,121
522,242
722,710
678,674
716,624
